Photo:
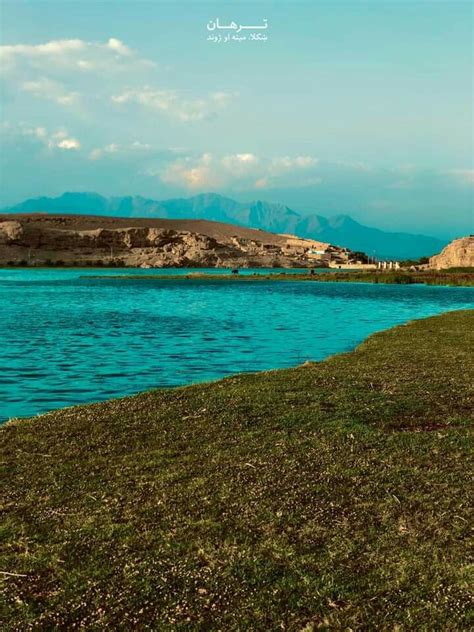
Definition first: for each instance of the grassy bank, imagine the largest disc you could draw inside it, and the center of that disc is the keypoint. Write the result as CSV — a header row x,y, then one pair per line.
x,y
456,277
330,496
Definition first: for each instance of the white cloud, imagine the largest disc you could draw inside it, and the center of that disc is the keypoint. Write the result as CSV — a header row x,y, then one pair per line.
x,y
100,152
119,47
71,54
174,104
51,90
242,171
67,143
60,139
87,76
116,148
239,164
288,163
70,73
154,99
138,145
193,174
50,49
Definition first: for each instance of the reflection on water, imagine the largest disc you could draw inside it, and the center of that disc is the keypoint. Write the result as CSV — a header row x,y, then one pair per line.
x,y
68,339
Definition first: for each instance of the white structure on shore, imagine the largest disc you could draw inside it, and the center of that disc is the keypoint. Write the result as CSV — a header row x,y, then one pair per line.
x,y
388,265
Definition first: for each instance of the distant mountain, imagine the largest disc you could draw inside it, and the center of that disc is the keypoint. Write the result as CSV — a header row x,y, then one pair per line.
x,y
340,230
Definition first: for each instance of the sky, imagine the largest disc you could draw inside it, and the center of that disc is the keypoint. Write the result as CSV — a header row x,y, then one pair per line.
x,y
362,108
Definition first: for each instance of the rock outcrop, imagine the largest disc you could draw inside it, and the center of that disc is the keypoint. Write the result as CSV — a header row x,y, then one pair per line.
x,y
10,232
458,254
38,239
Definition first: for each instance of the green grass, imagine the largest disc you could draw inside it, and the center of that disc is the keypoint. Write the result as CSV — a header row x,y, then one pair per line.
x,y
451,276
332,496
457,269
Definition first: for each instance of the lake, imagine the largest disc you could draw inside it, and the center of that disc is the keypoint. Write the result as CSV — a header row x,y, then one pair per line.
x,y
67,338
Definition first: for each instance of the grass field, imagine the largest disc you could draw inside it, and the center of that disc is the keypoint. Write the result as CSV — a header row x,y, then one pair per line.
x,y
452,277
330,496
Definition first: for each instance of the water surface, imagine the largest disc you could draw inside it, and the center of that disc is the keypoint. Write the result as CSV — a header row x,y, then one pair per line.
x,y
66,338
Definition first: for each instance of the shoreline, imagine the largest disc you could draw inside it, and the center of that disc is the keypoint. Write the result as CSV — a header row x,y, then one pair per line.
x,y
442,278
206,382
450,277
118,398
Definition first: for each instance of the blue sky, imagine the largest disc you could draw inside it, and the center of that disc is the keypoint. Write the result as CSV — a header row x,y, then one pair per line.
x,y
348,107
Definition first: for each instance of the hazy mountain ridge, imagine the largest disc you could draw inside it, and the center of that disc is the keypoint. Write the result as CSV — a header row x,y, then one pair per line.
x,y
341,230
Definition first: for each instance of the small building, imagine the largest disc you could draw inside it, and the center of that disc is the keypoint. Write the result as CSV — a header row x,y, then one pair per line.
x,y
388,265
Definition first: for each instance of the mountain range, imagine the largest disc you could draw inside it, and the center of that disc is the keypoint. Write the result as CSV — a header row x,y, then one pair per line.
x,y
340,230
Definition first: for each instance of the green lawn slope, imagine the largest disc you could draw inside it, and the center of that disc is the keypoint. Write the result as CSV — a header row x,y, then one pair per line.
x,y
330,496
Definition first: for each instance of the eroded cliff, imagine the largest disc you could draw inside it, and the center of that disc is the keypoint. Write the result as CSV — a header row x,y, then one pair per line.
x,y
458,254
38,239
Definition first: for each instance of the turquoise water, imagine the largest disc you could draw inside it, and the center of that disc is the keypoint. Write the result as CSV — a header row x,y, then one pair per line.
x,y
66,338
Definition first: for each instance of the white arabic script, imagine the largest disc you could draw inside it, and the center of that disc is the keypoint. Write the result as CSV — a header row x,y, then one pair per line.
x,y
232,30
212,26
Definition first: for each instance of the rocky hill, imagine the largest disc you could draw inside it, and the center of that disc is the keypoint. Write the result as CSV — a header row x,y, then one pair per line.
x,y
278,218
458,254
43,239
